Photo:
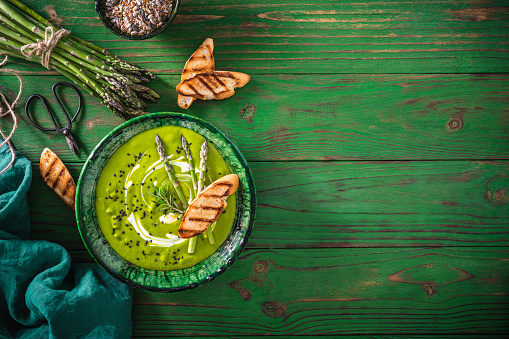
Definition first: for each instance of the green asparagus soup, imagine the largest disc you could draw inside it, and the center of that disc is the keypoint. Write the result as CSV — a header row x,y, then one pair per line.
x,y
134,225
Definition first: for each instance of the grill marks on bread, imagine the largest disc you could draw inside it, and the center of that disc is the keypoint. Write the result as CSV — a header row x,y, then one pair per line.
x,y
200,80
208,206
217,85
57,176
201,61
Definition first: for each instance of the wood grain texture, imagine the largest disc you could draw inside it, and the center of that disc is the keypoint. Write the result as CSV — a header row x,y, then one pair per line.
x,y
378,136
340,291
341,204
318,37
320,117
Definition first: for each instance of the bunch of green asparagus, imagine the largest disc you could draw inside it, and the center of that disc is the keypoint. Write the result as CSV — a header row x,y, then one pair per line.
x,y
99,72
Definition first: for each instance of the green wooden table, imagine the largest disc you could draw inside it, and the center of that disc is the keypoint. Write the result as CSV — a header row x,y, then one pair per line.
x,y
378,137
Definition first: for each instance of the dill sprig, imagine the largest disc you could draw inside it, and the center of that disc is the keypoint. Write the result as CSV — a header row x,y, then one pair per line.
x,y
164,201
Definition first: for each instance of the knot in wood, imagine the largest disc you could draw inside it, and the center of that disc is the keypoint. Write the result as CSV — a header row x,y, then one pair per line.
x,y
429,289
273,309
496,189
245,294
499,197
455,124
261,266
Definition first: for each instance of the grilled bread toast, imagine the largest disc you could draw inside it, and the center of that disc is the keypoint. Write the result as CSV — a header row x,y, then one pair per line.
x,y
201,61
207,206
57,176
217,85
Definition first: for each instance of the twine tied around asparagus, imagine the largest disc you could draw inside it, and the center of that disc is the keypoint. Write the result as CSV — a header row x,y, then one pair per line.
x,y
44,48
9,110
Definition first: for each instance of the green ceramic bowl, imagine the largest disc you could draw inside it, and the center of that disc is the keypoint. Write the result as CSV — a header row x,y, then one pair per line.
x,y
163,281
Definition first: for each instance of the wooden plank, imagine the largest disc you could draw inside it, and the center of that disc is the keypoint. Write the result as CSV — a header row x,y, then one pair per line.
x,y
340,292
266,37
342,336
342,204
402,291
321,117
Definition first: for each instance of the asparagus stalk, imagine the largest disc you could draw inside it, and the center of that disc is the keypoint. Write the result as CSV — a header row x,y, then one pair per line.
x,y
201,183
169,170
185,145
203,168
189,158
192,245
204,152
210,235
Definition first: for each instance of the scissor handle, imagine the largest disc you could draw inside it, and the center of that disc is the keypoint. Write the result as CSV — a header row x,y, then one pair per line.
x,y
53,89
30,99
69,120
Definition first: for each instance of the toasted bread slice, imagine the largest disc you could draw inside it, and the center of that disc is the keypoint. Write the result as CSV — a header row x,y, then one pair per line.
x,y
201,61
213,85
57,176
208,206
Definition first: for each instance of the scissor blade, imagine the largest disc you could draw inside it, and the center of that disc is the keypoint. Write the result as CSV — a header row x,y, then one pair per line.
x,y
73,145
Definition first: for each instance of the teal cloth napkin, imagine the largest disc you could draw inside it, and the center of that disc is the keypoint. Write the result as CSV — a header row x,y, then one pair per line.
x,y
41,294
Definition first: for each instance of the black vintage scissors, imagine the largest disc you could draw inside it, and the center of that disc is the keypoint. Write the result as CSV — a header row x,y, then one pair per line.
x,y
66,131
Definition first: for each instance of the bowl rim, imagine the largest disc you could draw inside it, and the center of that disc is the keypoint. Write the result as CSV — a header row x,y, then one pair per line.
x,y
237,249
99,9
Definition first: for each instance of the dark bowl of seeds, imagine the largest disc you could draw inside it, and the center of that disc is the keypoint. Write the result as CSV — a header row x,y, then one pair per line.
x,y
137,19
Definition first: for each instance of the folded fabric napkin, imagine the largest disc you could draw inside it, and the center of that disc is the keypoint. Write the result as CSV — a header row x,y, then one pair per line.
x,y
41,294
